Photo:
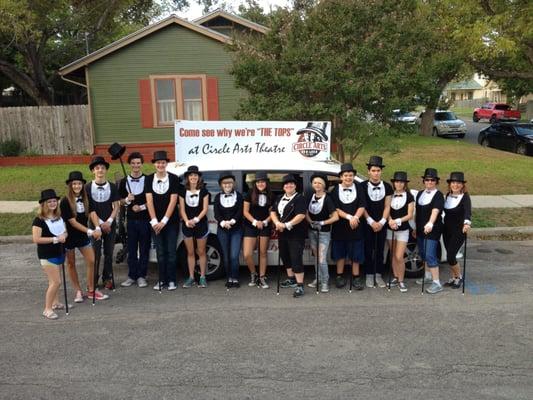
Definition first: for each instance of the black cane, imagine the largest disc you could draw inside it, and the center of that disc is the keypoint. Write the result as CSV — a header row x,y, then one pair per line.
x,y
391,258
97,253
279,266
424,263
64,281
228,265
317,257
375,256
464,266
351,276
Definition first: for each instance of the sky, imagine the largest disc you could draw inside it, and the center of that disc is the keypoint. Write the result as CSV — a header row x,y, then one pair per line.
x,y
195,10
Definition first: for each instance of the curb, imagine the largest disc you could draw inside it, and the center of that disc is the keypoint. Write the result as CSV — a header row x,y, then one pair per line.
x,y
475,233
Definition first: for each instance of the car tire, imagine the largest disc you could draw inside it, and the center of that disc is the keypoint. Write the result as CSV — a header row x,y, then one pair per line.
x,y
460,136
435,132
215,261
493,119
485,142
414,267
475,118
521,149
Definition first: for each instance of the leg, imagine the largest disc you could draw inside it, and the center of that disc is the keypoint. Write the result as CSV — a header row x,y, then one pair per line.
x,y
133,244
70,260
224,238
88,255
202,257
248,246
398,264
191,258
235,250
145,242
109,247
323,256
170,239
263,252
162,261
54,283
380,267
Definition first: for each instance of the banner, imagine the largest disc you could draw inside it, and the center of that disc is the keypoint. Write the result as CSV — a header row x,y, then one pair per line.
x,y
273,140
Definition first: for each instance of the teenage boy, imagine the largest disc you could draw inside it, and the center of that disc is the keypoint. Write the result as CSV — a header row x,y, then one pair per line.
x,y
131,190
103,207
378,199
346,233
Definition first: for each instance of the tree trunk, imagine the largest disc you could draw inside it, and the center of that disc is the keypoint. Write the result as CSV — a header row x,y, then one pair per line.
x,y
426,125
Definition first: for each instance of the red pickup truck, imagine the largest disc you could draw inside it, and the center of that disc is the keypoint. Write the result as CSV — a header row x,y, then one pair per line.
x,y
496,112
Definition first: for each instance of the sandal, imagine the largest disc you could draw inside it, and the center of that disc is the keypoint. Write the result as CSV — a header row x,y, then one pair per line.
x,y
60,306
50,315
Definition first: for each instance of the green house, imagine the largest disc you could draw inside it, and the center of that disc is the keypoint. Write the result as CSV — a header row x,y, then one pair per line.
x,y
173,69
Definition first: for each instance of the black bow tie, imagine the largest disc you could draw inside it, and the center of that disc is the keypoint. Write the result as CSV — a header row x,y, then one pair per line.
x,y
55,220
347,190
454,197
285,199
193,195
428,191
159,181
79,200
137,180
314,201
375,188
398,195
228,195
100,188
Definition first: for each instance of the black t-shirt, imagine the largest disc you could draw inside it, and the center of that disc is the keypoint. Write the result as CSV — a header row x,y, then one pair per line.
x,y
348,200
402,203
259,211
228,207
454,217
375,198
320,210
101,198
297,205
47,251
75,236
423,213
161,191
137,188
194,202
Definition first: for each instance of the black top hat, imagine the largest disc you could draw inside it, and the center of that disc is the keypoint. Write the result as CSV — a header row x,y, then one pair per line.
x,y
224,175
193,169
116,151
98,160
288,178
321,176
48,194
400,176
347,167
456,176
75,176
375,161
431,173
261,176
160,155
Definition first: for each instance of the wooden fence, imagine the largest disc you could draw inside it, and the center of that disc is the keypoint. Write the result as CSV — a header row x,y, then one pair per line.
x,y
48,130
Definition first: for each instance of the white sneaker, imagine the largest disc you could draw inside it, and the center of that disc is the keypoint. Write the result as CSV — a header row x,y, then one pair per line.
x,y
128,282
141,282
79,297
253,280
427,281
324,287
263,283
380,282
370,281
402,287
312,284
172,286
156,287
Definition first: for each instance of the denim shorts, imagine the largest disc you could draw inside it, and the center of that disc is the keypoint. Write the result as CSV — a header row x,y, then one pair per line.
x,y
429,252
353,250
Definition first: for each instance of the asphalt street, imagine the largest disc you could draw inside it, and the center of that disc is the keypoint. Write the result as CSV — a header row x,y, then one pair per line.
x,y
251,344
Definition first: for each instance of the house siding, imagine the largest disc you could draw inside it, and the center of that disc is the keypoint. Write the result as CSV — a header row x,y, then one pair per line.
x,y
114,87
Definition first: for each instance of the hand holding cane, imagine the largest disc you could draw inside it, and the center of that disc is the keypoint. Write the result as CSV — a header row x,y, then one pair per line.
x,y
64,280
464,266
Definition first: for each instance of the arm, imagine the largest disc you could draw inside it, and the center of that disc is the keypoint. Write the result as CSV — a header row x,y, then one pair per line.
x,y
36,233
188,223
205,207
168,213
468,213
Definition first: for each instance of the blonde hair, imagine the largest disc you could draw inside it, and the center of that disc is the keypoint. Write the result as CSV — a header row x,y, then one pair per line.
x,y
43,211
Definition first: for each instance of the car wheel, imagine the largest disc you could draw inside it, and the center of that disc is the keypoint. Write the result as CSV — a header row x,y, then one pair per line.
x,y
215,261
413,262
435,132
521,149
493,119
485,142
475,118
460,136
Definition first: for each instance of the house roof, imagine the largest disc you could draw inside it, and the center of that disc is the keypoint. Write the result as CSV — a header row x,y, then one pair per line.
x,y
231,17
141,33
469,84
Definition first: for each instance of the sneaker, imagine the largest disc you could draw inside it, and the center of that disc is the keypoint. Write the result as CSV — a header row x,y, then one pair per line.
x,y
393,283
427,281
298,292
128,282
312,284
203,282
288,283
253,279
449,282
434,288
457,283
263,283
340,281
141,282
324,287
236,284
402,287
370,280
229,284
156,287
172,286
98,295
358,283
79,297
108,284
189,283
50,315
379,281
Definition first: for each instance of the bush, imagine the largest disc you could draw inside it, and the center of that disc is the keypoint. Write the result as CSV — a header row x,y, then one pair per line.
x,y
11,148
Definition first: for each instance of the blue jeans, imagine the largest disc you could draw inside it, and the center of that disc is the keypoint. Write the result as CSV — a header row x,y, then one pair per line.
x,y
323,245
428,251
139,240
165,245
230,240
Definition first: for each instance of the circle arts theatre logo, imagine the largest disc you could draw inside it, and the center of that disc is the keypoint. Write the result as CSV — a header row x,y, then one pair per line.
x,y
312,139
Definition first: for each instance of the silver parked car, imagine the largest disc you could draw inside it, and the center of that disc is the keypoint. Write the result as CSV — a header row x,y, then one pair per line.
x,y
446,123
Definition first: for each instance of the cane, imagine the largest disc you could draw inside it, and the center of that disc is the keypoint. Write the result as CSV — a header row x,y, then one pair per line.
x,y
317,257
391,258
424,263
97,245
464,266
228,265
64,281
279,267
375,256
351,277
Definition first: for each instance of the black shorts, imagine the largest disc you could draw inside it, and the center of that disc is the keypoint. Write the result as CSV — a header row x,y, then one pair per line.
x,y
200,231
252,231
291,253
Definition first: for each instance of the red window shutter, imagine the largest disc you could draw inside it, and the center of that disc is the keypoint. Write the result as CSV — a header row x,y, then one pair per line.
x,y
145,97
212,99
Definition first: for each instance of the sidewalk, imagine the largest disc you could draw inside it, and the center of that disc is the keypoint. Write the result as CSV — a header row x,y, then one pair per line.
x,y
503,201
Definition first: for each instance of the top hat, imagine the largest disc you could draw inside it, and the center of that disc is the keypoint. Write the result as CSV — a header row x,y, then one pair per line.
x,y
75,176
160,155
116,151
288,178
400,176
48,194
224,175
347,167
193,169
321,176
98,160
431,173
375,161
261,176
456,176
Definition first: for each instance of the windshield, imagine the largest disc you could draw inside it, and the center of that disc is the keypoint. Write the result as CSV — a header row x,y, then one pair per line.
x,y
501,107
525,130
445,116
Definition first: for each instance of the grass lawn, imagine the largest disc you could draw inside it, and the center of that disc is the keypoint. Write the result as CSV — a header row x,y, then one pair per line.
x,y
488,171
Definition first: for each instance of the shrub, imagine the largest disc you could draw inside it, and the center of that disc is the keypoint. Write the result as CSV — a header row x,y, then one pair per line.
x,y
11,148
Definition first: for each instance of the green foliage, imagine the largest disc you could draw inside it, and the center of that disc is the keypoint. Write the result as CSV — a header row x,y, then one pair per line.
x,y
11,148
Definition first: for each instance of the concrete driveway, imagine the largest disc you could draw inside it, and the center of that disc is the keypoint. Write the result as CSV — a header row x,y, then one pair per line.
x,y
251,344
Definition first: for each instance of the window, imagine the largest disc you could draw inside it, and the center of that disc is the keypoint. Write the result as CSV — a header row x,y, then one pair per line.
x,y
470,95
178,97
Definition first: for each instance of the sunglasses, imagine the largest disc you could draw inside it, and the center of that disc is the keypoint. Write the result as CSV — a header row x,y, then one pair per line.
x,y
430,180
